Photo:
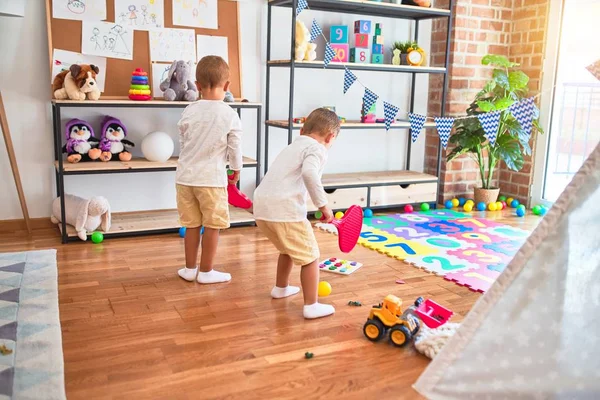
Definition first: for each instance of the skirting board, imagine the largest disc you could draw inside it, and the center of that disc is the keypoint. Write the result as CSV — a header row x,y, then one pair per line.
x,y
14,225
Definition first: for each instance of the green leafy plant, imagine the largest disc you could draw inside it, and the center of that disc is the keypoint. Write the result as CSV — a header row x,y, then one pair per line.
x,y
405,47
507,86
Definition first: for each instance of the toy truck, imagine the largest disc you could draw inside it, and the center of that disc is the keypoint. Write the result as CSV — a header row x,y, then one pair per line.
x,y
388,317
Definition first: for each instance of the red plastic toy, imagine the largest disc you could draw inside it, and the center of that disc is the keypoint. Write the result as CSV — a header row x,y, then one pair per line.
x,y
432,314
235,197
349,227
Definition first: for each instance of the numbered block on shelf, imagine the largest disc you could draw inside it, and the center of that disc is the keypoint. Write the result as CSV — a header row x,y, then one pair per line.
x,y
377,59
362,26
338,34
378,28
360,56
377,48
342,52
361,40
378,39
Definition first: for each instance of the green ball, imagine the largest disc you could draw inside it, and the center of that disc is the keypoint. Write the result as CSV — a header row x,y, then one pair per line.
x,y
502,198
318,215
230,172
97,237
424,206
522,206
536,210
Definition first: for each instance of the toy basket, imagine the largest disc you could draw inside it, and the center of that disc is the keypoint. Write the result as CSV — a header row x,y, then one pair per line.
x,y
432,314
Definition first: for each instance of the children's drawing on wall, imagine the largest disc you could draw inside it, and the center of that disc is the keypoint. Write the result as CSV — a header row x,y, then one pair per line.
x,y
172,44
196,13
90,10
63,59
211,46
106,39
141,15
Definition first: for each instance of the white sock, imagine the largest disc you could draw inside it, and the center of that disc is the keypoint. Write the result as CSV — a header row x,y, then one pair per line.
x,y
318,310
213,277
189,274
281,292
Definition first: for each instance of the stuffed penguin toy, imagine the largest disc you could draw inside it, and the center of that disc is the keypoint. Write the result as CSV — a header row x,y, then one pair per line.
x,y
113,140
80,142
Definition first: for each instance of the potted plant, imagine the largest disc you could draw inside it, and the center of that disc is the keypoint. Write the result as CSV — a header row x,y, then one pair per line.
x,y
508,85
405,48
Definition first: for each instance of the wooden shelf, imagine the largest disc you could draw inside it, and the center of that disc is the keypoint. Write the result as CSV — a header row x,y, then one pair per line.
x,y
135,165
351,125
159,221
366,7
358,67
141,104
375,178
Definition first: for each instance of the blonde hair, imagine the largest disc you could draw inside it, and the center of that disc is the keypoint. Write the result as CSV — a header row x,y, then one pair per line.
x,y
212,71
323,122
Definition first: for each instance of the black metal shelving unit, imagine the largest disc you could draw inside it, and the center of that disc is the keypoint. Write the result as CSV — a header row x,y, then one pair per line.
x,y
362,8
165,221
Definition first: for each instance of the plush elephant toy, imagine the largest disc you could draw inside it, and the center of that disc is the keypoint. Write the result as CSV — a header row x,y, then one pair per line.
x,y
85,215
179,85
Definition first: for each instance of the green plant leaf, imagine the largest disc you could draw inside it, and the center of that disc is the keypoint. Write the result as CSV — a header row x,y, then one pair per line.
x,y
489,87
503,103
486,106
498,61
501,78
508,150
517,80
456,152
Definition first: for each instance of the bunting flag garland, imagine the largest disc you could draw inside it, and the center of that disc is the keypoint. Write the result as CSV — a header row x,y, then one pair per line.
x,y
490,122
302,4
444,126
349,79
417,121
315,30
523,112
369,98
389,111
329,54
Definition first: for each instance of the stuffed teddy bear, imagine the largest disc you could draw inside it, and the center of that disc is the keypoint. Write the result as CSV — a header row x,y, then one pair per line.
x,y
85,215
77,83
113,140
305,51
179,84
80,142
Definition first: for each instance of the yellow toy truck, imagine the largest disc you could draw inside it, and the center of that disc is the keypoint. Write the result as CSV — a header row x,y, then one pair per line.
x,y
388,316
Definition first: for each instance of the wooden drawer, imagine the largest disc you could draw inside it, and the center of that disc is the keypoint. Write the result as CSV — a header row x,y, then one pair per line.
x,y
343,198
396,194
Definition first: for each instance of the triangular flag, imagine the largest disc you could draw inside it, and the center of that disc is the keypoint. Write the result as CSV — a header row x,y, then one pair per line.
x,y
349,79
490,122
329,54
417,121
315,30
389,112
369,98
444,126
594,69
302,4
523,112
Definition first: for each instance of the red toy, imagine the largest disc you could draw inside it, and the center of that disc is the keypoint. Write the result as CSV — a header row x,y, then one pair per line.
x,y
235,197
140,88
408,208
432,314
348,227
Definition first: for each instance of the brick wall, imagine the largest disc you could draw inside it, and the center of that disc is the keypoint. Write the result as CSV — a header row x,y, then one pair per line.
x,y
481,27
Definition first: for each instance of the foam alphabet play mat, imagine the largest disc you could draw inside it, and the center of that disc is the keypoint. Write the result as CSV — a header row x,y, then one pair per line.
x,y
470,251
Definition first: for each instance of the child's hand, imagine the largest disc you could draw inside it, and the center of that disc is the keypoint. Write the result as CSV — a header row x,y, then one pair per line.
x,y
327,214
233,177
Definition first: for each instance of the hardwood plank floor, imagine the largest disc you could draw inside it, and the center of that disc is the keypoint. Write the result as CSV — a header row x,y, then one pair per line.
x,y
132,329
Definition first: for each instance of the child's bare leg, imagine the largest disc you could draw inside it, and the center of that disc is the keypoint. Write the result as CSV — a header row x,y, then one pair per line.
x,y
282,287
207,274
309,276
191,243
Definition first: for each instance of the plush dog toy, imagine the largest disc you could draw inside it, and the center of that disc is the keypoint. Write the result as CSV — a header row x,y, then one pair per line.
x,y
80,141
113,140
77,83
83,214
179,84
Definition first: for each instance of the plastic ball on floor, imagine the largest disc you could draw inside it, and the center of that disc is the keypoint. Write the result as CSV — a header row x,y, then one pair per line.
x,y
339,215
449,204
324,289
182,232
481,206
502,198
471,202
455,202
97,237
536,210
468,207
509,201
424,206
368,213
504,205
408,208
461,201
520,212
492,206
543,211
521,206
202,230
499,205
514,203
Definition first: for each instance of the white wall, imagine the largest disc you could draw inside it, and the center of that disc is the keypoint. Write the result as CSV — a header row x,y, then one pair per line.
x,y
24,73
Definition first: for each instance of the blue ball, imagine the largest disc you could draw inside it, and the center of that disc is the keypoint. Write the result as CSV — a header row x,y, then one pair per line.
x,y
182,231
461,201
514,204
448,204
481,206
368,213
543,210
202,230
520,212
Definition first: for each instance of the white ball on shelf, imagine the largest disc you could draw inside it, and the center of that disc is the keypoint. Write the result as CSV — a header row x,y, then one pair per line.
x,y
157,146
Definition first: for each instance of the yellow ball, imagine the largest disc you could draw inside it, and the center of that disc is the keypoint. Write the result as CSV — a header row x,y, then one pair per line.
x,y
468,207
492,206
324,289
471,202
509,201
339,215
455,202
498,205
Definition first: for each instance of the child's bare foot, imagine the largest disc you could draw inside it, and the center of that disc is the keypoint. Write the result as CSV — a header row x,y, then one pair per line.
x,y
213,277
318,310
281,292
189,274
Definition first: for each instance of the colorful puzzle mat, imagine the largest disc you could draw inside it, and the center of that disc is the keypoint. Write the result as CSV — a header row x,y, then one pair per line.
x,y
468,250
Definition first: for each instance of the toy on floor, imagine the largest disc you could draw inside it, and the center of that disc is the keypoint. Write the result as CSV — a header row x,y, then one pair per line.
x,y
492,206
461,201
235,197
80,141
449,204
113,142
339,266
400,282
97,237
408,208
455,202
368,213
499,206
77,83
355,303
424,206
509,201
543,211
139,88
388,316
481,206
324,289
308,355
85,215
468,207
157,146
182,231
520,212
179,84
514,203
432,314
502,198
349,228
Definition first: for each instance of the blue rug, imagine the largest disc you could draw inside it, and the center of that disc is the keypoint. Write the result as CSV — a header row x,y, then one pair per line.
x,y
32,367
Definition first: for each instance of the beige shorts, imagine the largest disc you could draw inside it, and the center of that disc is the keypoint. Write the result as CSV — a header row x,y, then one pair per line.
x,y
202,206
295,239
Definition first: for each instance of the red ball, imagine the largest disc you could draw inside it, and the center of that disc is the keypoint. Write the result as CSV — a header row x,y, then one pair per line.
x,y
408,208
503,204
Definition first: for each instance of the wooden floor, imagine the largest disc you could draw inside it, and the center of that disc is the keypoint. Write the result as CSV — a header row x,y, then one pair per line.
x,y
132,329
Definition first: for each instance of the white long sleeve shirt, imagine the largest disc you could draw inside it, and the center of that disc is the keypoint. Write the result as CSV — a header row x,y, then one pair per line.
x,y
296,172
210,135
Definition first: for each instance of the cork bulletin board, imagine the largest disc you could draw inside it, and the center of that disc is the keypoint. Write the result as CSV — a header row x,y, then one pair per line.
x,y
65,34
